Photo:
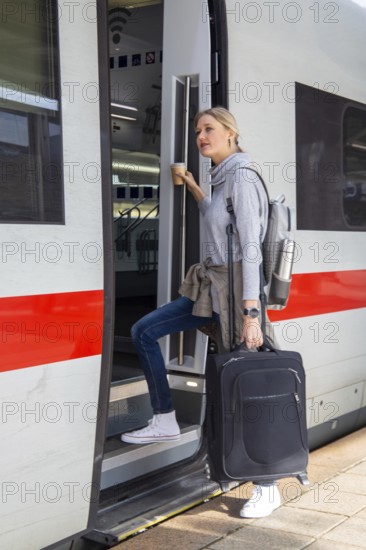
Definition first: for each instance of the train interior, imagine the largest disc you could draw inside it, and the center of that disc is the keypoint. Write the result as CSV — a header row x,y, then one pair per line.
x,y
135,120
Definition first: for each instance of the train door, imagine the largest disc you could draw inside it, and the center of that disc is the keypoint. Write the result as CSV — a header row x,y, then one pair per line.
x,y
156,87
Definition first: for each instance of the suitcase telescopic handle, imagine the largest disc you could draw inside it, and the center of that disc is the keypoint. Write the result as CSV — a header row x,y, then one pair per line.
x,y
230,232
266,344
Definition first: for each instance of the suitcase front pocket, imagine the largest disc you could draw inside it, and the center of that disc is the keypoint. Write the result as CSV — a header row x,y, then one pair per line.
x,y
270,427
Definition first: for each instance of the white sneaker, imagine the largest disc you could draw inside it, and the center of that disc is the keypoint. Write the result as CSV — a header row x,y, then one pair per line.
x,y
162,428
264,500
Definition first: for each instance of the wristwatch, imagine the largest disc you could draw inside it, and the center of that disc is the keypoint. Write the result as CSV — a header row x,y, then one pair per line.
x,y
253,312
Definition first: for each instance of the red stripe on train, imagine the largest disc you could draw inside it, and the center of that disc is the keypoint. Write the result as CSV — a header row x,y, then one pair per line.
x,y
47,328
327,292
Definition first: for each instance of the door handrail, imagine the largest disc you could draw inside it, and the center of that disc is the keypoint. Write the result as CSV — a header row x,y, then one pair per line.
x,y
183,213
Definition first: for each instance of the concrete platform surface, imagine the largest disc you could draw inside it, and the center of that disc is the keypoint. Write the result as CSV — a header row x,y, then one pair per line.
x,y
328,514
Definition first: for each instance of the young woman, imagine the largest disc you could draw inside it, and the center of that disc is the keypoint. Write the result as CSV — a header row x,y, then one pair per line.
x,y
217,139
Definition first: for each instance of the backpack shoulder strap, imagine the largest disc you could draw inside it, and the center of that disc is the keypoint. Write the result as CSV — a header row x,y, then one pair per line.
x,y
261,180
228,193
229,188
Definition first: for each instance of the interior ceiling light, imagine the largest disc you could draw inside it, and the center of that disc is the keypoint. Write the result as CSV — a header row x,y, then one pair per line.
x,y
136,168
123,117
131,5
127,107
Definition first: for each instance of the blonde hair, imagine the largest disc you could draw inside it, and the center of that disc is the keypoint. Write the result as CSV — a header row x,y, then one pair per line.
x,y
224,117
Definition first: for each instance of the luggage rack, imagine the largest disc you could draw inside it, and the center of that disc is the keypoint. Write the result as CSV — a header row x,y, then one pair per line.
x,y
147,249
129,220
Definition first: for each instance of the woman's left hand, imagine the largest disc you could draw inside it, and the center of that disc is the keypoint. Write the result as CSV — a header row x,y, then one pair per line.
x,y
252,333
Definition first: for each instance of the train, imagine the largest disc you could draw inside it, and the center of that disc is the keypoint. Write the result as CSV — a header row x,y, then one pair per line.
x,y
97,100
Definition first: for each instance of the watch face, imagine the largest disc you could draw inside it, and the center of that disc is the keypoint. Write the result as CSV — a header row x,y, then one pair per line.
x,y
253,312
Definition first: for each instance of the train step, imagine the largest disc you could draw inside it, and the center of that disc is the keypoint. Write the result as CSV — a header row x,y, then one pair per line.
x,y
129,513
123,461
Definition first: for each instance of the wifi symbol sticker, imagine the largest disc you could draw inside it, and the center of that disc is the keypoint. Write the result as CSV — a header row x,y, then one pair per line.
x,y
117,18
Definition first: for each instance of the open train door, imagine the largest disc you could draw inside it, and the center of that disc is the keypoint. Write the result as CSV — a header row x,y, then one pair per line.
x,y
52,282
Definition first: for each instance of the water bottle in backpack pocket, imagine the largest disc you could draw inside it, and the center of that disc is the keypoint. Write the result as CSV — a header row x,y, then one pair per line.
x,y
278,248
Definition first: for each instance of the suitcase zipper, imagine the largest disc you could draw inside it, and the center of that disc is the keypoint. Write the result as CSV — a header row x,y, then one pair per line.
x,y
243,374
234,359
267,397
259,397
293,371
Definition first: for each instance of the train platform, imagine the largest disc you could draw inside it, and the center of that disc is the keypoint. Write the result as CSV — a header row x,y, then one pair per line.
x,y
328,514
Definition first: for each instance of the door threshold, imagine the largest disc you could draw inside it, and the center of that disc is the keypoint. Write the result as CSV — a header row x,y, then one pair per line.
x,y
135,514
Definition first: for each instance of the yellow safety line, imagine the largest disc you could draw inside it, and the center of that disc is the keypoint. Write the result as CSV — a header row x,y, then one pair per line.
x,y
167,516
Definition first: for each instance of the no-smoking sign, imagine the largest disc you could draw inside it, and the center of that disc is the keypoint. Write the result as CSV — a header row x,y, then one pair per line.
x,y
150,58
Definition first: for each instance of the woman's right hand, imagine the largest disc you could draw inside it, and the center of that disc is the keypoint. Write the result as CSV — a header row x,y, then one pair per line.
x,y
189,180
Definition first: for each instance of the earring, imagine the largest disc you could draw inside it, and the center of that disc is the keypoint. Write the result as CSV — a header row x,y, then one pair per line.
x,y
229,142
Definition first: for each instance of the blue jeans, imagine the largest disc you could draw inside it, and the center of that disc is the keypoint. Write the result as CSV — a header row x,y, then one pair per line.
x,y
168,319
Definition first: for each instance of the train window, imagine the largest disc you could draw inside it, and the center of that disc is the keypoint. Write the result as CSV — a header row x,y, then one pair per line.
x,y
31,188
354,142
331,161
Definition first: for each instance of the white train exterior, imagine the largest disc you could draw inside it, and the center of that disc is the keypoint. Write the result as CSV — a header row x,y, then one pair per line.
x,y
91,115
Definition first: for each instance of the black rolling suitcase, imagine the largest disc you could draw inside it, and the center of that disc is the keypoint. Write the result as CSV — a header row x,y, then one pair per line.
x,y
256,415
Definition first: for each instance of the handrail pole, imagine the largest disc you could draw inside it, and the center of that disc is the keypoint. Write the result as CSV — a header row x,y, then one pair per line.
x,y
187,86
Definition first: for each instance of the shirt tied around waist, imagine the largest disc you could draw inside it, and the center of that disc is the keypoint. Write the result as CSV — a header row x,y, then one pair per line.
x,y
197,286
